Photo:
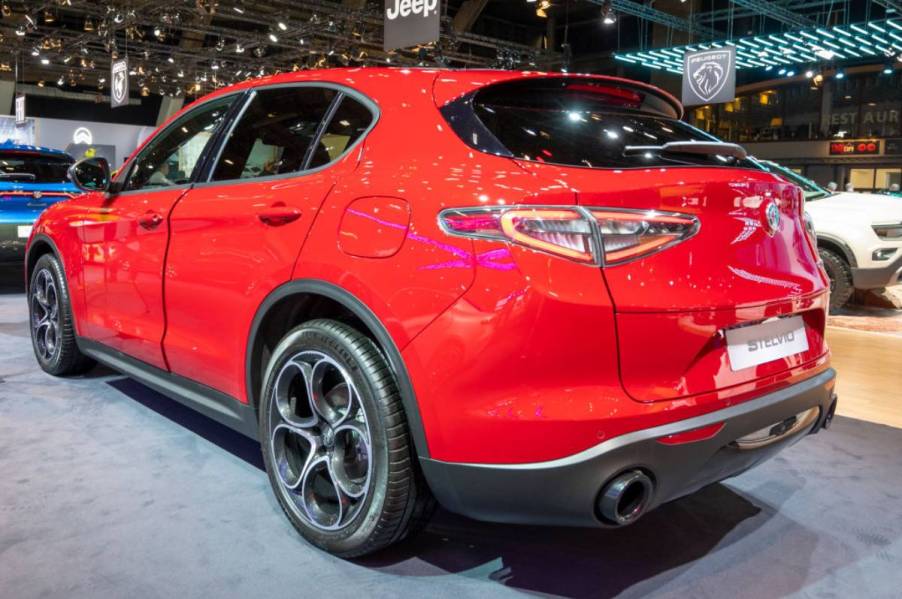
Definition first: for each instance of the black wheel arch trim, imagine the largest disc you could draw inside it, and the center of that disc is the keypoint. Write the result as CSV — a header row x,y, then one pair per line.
x,y
372,322
847,252
36,241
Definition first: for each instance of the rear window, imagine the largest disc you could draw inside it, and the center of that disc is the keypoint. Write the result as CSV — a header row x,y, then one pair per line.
x,y
577,122
28,167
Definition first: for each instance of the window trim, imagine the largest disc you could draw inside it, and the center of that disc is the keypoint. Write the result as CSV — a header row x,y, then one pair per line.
x,y
205,178
159,132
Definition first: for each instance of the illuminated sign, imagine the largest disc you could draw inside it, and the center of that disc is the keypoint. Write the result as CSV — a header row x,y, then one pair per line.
x,y
20,109
788,53
862,147
83,135
409,23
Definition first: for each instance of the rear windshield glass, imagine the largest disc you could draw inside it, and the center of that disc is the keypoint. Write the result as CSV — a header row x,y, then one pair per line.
x,y
23,167
575,123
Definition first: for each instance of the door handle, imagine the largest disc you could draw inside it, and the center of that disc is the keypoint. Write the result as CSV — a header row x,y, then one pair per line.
x,y
150,220
278,214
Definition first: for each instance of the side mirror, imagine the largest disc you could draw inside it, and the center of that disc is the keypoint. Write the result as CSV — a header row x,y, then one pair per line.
x,y
91,174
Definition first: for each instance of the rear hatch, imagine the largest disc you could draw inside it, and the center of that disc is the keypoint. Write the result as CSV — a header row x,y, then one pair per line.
x,y
700,243
30,181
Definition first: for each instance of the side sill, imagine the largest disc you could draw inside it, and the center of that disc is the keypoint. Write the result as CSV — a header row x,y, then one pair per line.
x,y
213,404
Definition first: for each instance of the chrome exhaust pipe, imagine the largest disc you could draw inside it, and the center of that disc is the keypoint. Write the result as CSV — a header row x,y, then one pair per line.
x,y
625,498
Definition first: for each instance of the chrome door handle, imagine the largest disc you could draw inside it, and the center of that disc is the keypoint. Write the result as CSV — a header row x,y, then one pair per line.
x,y
150,220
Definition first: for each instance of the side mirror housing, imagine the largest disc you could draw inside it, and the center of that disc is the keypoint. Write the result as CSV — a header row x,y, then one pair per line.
x,y
91,174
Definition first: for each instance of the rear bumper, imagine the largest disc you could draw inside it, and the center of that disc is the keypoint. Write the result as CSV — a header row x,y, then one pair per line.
x,y
875,278
564,491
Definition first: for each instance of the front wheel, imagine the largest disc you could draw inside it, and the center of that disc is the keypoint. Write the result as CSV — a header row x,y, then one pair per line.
x,y
335,441
52,325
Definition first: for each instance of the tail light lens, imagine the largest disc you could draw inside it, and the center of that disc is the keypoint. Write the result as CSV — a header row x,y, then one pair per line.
x,y
630,235
587,235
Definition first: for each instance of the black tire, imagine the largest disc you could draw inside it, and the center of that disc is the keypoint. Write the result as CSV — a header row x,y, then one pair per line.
x,y
50,320
840,274
395,498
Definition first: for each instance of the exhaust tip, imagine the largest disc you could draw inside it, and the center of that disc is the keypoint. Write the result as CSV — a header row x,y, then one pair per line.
x,y
625,498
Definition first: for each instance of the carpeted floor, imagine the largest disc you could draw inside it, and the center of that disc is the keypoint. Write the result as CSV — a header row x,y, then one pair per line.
x,y
110,490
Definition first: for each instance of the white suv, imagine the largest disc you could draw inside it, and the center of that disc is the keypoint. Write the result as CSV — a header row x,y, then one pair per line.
x,y
859,236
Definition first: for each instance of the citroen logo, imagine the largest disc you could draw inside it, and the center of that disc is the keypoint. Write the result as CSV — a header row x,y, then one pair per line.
x,y
772,213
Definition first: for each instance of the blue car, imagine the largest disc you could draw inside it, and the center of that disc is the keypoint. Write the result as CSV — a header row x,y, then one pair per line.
x,y
31,179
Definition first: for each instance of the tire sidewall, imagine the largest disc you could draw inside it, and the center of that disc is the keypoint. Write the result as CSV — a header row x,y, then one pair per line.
x,y
840,279
311,338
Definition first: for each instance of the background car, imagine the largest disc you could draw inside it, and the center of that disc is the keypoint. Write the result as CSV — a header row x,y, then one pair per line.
x,y
31,179
859,236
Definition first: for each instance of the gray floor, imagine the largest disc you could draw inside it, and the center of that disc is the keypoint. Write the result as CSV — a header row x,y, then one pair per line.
x,y
110,490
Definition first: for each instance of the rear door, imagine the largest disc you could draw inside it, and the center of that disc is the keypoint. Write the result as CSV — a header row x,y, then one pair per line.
x,y
237,236
125,236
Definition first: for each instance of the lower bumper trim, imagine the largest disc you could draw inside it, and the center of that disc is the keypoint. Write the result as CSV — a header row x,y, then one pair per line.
x,y
564,491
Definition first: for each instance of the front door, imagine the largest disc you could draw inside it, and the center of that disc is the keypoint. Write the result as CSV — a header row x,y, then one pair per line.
x,y
237,237
125,236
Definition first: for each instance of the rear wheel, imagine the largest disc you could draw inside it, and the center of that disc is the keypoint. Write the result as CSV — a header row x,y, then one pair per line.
x,y
840,274
335,441
52,326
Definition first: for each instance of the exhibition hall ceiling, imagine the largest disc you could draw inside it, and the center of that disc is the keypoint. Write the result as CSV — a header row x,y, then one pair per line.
x,y
187,47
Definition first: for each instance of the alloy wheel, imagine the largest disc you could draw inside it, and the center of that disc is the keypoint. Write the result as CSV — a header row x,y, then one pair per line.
x,y
320,441
45,315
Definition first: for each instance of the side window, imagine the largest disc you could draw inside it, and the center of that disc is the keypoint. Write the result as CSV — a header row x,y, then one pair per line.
x,y
274,134
350,121
173,155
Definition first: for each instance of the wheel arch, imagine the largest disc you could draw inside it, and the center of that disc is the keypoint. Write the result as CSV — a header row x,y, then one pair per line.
x,y
41,244
837,246
304,299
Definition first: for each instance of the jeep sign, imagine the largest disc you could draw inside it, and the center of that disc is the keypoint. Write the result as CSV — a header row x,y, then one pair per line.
x,y
709,76
410,23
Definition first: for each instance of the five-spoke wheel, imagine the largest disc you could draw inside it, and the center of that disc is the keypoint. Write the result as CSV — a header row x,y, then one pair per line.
x,y
320,440
335,441
45,315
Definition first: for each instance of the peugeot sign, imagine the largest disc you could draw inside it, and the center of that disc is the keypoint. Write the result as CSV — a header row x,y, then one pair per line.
x,y
411,22
709,76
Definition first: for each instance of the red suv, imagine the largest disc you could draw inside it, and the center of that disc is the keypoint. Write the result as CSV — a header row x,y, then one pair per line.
x,y
537,298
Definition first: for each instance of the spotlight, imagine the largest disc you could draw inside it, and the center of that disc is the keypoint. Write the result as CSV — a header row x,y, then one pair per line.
x,y
809,74
273,38
888,68
840,74
542,8
608,16
790,73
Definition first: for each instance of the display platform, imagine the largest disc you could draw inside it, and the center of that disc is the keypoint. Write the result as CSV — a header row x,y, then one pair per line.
x,y
110,489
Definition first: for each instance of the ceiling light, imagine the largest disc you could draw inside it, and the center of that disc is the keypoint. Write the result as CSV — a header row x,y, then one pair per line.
x,y
273,38
608,16
809,74
840,74
888,68
283,26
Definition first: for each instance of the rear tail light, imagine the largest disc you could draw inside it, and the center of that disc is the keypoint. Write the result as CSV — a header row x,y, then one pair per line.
x,y
587,235
630,235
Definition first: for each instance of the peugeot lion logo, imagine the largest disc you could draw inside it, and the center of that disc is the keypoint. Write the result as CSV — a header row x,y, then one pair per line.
x,y
708,73
773,217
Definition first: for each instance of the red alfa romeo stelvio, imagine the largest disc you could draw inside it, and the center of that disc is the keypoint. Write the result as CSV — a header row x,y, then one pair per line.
x,y
535,298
